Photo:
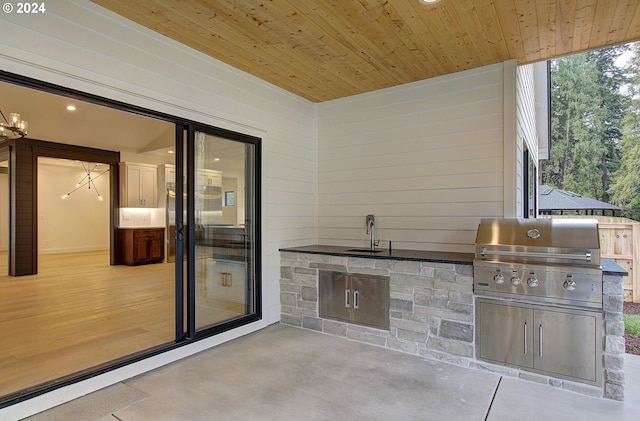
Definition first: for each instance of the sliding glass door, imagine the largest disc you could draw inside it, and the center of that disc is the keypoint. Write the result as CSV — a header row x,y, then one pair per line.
x,y
205,196
223,225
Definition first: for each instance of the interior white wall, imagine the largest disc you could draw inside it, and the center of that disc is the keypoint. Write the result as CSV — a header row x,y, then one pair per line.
x,y
426,158
79,45
141,158
81,221
141,217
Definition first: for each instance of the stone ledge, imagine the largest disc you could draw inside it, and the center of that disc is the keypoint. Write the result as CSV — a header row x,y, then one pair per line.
x,y
583,389
494,368
444,357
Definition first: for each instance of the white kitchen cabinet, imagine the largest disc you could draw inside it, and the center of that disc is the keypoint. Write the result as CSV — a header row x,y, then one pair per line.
x,y
209,178
138,185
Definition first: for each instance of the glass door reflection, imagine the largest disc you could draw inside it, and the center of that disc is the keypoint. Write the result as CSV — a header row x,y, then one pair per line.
x,y
223,269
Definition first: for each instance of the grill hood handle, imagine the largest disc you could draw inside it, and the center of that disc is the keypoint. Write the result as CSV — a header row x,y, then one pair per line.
x,y
585,257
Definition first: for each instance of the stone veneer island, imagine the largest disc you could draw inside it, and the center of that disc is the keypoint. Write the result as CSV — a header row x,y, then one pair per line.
x,y
431,308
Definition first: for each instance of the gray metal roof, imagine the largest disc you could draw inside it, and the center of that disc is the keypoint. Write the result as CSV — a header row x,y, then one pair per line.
x,y
552,198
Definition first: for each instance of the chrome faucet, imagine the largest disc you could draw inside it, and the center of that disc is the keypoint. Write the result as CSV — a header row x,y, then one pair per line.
x,y
371,230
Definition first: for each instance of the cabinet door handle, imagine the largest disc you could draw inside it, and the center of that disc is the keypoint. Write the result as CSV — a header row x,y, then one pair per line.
x,y
525,338
356,299
347,293
540,339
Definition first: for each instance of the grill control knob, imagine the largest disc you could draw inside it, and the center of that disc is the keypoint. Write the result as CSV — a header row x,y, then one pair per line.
x,y
498,278
532,281
569,284
515,280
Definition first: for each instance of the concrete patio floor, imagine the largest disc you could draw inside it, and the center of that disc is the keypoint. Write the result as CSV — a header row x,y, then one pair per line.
x,y
285,373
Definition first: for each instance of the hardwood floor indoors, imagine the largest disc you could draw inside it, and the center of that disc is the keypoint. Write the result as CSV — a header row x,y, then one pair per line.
x,y
77,313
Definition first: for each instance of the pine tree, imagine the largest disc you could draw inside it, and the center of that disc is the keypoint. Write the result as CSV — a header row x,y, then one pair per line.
x,y
587,108
625,189
612,108
573,118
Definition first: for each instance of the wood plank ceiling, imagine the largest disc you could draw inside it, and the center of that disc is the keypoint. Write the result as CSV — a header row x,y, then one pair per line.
x,y
327,49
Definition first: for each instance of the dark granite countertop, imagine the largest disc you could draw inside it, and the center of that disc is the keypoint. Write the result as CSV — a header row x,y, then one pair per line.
x,y
610,267
382,253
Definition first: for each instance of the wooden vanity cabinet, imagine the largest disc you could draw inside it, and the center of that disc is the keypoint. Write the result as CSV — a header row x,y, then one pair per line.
x,y
141,246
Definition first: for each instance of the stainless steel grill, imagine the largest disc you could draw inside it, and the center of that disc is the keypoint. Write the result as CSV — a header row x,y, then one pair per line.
x,y
539,260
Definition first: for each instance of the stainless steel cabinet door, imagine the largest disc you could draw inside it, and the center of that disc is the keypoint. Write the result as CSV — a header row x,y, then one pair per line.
x,y
505,334
565,344
370,300
336,295
353,298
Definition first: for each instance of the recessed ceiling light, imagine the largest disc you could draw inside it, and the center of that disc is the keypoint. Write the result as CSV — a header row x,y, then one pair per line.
x,y
428,1
71,107
170,151
216,159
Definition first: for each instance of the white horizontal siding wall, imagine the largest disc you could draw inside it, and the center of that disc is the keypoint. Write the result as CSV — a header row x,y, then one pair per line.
x,y
526,129
543,103
426,158
526,109
79,45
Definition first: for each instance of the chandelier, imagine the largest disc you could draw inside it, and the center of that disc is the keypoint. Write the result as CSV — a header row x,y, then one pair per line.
x,y
88,180
14,128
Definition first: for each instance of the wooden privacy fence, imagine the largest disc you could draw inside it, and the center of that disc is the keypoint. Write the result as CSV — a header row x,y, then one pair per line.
x,y
620,241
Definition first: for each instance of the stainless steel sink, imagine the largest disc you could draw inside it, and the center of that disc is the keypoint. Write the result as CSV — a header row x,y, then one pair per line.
x,y
366,250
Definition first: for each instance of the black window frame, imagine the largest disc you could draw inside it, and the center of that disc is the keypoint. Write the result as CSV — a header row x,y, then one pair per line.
x,y
529,185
